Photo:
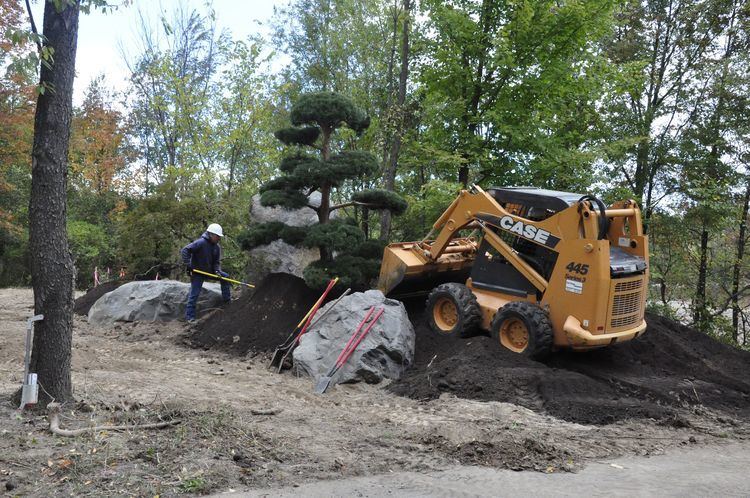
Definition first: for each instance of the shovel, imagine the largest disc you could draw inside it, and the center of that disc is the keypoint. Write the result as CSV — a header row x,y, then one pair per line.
x,y
282,351
324,382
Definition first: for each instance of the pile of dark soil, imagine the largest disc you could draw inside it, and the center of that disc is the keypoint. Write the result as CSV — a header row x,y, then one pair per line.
x,y
258,322
84,303
669,369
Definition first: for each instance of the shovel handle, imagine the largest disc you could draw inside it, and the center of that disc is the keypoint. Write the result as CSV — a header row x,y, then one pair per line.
x,y
315,309
352,346
319,318
317,303
354,335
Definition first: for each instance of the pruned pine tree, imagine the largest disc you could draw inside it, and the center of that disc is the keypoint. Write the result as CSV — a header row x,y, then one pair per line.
x,y
344,252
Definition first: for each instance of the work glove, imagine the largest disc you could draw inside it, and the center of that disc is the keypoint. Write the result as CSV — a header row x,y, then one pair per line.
x,y
189,270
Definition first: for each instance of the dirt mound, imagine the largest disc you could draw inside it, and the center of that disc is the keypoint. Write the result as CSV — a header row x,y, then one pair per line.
x,y
258,322
84,303
669,369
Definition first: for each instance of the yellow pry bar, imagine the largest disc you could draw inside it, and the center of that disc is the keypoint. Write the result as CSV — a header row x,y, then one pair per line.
x,y
223,278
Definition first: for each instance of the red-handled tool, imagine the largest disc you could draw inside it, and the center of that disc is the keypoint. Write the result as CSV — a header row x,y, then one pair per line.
x,y
351,345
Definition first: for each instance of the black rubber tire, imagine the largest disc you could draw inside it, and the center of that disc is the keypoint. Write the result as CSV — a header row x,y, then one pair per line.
x,y
468,310
541,336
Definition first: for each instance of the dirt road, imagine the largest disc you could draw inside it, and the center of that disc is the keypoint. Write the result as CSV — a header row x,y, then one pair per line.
x,y
243,427
708,471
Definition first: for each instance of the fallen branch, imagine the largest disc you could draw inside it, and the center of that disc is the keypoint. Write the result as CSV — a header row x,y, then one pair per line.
x,y
270,411
53,412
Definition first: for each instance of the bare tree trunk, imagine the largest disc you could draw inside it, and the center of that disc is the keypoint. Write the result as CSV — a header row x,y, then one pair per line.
x,y
51,264
736,310
389,175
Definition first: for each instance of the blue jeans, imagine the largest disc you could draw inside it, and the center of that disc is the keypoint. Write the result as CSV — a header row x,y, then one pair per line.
x,y
196,284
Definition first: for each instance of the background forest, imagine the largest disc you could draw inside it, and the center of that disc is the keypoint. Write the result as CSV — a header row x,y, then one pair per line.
x,y
626,99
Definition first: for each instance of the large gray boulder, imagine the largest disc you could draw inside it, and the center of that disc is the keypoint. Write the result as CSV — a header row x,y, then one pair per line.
x,y
151,301
278,256
384,353
295,217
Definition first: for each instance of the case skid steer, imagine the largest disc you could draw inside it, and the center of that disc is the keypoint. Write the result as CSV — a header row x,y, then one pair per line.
x,y
543,270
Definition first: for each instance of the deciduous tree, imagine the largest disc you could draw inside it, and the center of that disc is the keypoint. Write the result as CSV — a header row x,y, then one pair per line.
x,y
51,265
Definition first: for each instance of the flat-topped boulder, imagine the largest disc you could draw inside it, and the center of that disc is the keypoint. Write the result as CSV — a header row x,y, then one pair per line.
x,y
151,301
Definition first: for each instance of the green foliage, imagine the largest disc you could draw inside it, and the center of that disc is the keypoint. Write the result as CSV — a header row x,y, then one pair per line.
x,y
151,233
265,233
289,199
425,206
298,136
382,199
337,235
91,246
370,249
662,309
290,162
286,182
330,111
353,271
260,234
293,235
512,87
14,259
350,164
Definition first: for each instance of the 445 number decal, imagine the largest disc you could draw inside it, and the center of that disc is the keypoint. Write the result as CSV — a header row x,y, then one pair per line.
x,y
578,268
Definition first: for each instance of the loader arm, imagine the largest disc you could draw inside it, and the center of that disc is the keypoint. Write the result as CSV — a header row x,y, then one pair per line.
x,y
447,253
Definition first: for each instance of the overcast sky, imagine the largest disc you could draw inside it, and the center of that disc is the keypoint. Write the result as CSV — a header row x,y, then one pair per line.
x,y
100,35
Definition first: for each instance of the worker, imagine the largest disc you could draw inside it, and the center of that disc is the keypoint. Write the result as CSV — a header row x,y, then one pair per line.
x,y
204,254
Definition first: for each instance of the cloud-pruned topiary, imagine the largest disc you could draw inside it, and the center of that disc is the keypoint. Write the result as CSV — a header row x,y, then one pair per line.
x,y
315,118
383,199
306,135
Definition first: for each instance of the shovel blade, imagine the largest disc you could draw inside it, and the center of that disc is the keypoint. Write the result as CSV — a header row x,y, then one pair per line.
x,y
276,358
322,385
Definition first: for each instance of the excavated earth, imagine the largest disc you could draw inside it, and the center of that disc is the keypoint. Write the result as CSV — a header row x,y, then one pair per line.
x,y
668,372
257,322
84,303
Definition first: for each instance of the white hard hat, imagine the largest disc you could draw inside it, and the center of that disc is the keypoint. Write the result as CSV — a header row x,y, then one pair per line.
x,y
215,229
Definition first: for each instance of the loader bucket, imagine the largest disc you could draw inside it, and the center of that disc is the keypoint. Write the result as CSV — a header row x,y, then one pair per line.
x,y
406,271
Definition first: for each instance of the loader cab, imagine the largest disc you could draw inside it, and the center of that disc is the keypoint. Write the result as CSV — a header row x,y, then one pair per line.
x,y
493,272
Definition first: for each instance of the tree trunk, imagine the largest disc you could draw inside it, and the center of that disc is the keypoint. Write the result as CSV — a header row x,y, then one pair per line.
x,y
324,211
463,176
387,114
471,117
389,175
699,313
366,222
51,264
736,311
663,291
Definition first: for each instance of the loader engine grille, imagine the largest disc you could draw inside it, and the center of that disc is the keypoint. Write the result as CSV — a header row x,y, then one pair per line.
x,y
628,286
627,303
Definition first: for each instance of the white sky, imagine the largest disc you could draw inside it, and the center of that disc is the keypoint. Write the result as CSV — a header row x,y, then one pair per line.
x,y
100,35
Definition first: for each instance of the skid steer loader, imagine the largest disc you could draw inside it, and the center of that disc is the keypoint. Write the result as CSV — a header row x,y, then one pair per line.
x,y
542,270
